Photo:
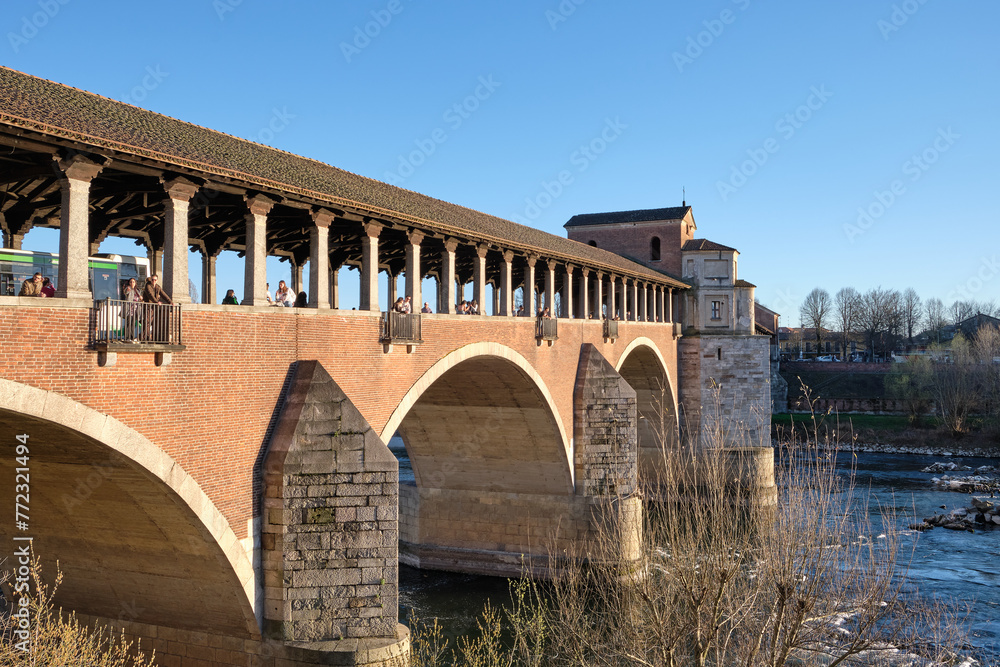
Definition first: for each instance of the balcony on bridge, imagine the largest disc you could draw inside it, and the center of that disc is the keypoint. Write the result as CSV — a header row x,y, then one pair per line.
x,y
547,328
401,328
611,329
128,326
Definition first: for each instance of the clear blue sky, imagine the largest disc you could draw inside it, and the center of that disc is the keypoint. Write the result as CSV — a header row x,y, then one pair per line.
x,y
886,106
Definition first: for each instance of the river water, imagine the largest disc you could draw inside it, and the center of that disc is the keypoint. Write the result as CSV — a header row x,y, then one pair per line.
x,y
956,565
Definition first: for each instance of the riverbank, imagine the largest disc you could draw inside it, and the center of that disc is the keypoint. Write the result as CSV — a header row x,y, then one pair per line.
x,y
884,434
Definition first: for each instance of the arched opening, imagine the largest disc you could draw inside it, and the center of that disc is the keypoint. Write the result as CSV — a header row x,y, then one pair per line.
x,y
485,425
135,537
482,433
644,370
654,249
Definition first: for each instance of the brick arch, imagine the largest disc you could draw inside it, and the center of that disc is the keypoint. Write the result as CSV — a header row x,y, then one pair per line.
x,y
643,367
484,393
134,533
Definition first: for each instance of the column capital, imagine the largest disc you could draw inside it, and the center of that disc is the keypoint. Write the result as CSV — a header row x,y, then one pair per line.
x,y
552,264
482,249
415,236
450,244
79,167
372,229
584,271
179,188
259,204
570,268
321,217
508,256
599,275
531,260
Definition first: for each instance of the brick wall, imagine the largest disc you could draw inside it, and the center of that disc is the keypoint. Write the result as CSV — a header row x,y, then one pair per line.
x,y
216,400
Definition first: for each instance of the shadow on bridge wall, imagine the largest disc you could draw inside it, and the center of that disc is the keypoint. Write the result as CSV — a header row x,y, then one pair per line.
x,y
645,370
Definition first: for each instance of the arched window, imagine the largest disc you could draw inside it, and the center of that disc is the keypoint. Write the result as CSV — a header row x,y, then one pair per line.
x,y
593,243
654,249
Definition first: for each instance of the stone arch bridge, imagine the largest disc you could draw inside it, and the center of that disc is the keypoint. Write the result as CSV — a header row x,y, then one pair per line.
x,y
227,494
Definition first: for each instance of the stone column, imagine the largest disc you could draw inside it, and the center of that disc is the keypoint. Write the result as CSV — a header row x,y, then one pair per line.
x,y
550,287
567,298
496,299
414,274
530,307
612,289
298,271
74,227
255,257
479,278
633,297
598,295
668,309
208,284
369,267
506,282
584,292
319,259
642,307
335,287
448,278
391,287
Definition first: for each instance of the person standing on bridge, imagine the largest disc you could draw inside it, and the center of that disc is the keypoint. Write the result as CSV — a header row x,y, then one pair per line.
x,y
131,295
48,289
230,298
155,326
426,308
32,286
284,296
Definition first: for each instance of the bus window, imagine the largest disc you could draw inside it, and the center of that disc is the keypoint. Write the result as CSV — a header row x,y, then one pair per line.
x,y
104,283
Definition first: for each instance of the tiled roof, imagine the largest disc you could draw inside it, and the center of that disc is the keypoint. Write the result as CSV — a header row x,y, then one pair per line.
x,y
705,244
53,109
743,283
642,215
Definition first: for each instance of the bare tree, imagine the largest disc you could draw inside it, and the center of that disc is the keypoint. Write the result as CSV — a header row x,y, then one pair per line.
x,y
815,311
880,320
912,313
962,310
936,317
847,306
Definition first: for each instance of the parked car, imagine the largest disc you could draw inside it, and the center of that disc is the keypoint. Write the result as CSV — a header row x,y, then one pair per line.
x,y
828,357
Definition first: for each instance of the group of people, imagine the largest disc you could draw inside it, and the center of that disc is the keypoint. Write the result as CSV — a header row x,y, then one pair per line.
x,y
36,285
283,296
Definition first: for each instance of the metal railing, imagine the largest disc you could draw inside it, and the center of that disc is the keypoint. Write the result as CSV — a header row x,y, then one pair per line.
x,y
399,328
611,329
547,328
132,322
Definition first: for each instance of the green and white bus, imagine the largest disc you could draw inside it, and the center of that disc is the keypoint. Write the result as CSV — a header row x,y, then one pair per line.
x,y
108,273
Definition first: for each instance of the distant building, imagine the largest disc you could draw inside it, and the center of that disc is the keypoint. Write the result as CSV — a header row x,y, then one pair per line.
x,y
724,359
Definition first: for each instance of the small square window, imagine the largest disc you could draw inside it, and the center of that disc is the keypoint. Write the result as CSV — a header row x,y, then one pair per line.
x,y
716,310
